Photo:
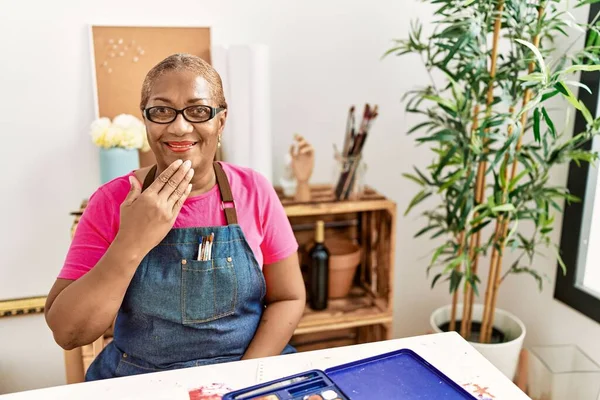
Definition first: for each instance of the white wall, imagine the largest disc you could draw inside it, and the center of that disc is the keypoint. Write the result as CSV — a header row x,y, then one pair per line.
x,y
29,358
325,56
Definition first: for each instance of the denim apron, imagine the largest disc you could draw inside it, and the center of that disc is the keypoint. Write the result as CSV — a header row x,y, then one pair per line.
x,y
179,312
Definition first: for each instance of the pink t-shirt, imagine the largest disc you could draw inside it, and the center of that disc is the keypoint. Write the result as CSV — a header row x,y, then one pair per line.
x,y
259,210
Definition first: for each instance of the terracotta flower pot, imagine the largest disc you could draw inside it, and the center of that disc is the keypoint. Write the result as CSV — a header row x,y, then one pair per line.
x,y
344,258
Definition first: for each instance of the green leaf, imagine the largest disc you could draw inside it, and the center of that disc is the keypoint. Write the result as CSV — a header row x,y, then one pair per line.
x,y
513,230
574,102
439,233
533,77
537,53
502,152
439,251
443,136
419,126
503,174
549,122
584,2
455,278
394,49
435,279
425,230
555,205
533,103
503,208
579,85
464,215
423,178
454,263
586,113
536,125
516,179
444,161
473,284
440,101
593,38
419,197
455,48
532,272
562,88
479,227
491,203
481,216
568,94
451,180
414,179
549,95
563,267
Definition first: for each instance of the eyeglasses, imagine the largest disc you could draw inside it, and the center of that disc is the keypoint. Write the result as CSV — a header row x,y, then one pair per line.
x,y
193,114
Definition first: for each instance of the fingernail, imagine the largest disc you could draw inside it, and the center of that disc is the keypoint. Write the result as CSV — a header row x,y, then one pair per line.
x,y
178,162
191,172
187,163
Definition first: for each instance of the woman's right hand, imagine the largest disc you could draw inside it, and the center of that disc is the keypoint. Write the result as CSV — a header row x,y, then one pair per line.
x,y
147,217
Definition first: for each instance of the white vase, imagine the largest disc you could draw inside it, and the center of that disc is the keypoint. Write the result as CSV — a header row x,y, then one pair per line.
x,y
504,356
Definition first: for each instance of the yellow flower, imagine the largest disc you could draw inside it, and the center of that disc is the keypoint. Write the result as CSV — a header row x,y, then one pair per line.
x,y
125,131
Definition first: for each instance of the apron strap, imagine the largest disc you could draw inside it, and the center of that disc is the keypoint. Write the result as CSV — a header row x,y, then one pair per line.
x,y
226,195
224,189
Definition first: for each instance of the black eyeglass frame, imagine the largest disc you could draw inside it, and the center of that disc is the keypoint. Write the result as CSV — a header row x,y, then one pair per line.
x,y
213,112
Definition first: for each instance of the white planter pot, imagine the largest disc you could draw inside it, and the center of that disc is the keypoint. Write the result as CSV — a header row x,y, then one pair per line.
x,y
504,356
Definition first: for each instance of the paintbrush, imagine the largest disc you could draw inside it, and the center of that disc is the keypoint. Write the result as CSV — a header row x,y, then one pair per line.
x,y
365,117
372,116
349,135
210,243
347,178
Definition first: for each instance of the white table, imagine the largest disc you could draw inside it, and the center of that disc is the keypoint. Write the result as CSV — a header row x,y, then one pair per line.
x,y
448,352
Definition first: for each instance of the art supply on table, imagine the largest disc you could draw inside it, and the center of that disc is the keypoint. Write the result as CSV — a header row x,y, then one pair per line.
x,y
276,385
213,391
401,374
351,153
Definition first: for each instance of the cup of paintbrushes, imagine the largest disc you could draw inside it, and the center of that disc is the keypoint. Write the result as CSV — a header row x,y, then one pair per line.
x,y
348,176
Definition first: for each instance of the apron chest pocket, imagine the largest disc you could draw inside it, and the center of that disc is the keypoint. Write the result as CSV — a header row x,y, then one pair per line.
x,y
208,290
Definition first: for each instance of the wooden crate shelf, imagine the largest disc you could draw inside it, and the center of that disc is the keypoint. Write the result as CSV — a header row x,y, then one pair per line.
x,y
323,201
358,309
366,314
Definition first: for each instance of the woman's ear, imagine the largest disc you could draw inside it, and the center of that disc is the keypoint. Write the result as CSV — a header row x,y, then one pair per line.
x,y
221,118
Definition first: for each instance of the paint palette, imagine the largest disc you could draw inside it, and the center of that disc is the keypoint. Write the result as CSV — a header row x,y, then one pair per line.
x,y
309,385
401,374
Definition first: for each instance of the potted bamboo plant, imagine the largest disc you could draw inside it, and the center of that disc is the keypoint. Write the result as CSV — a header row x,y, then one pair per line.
x,y
485,117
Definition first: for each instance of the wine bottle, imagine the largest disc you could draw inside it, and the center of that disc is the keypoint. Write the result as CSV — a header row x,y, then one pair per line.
x,y
318,259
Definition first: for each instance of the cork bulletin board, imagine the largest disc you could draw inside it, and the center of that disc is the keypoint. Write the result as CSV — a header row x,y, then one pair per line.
x,y
122,56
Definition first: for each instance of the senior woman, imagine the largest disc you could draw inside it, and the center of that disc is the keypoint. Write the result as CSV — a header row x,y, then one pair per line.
x,y
196,259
